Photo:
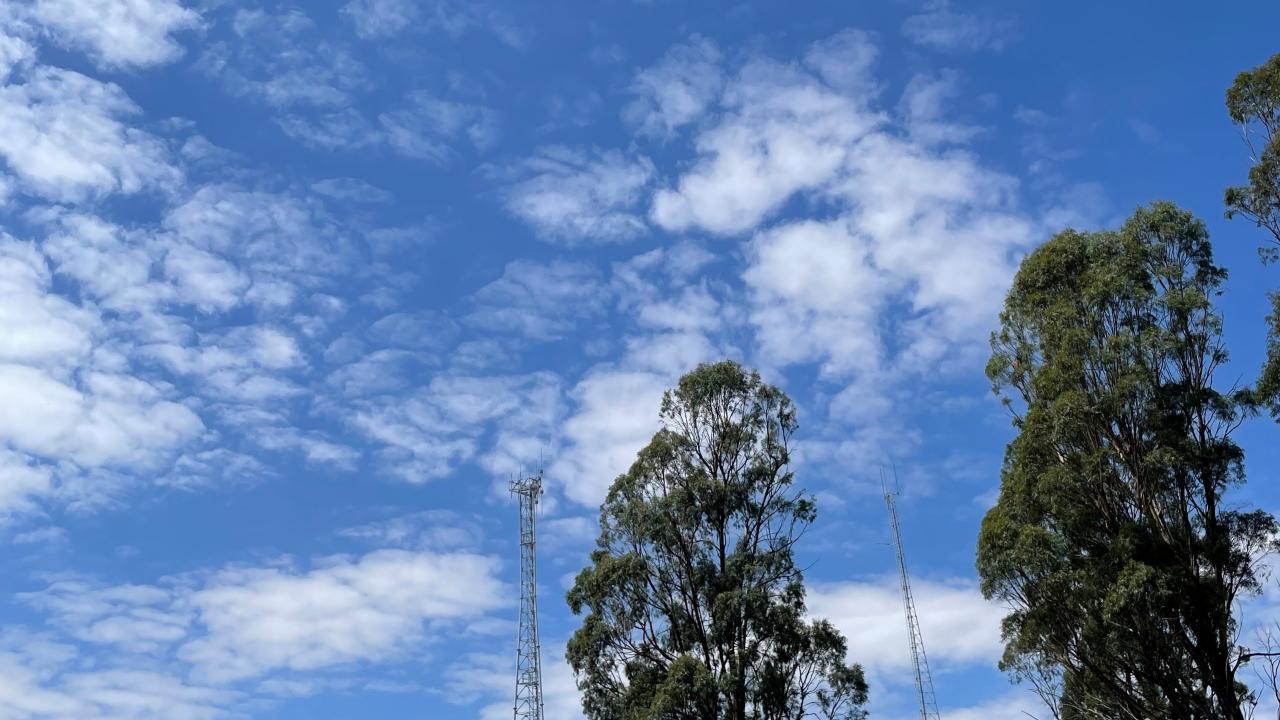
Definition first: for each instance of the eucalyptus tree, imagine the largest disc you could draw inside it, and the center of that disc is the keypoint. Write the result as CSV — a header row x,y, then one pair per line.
x,y
1253,102
1112,541
693,605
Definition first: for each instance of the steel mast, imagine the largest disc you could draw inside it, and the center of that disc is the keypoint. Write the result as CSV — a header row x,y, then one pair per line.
x,y
528,704
919,661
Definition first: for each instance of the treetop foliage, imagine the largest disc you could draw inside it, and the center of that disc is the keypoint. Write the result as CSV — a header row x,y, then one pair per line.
x,y
694,607
1110,540
1253,102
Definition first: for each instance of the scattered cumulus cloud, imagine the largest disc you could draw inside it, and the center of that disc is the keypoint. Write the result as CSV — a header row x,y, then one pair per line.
x,y
1013,705
615,404
116,33
486,677
349,189
893,213
280,58
107,419
941,28
845,61
781,131
540,301
15,52
380,18
959,626
256,620
66,138
675,92
579,197
429,433
235,631
426,126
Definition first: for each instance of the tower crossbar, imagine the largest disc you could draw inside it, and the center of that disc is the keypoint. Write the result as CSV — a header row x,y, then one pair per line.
x,y
528,702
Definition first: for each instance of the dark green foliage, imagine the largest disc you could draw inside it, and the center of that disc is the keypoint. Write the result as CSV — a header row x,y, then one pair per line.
x,y
1254,104
694,608
1110,541
1268,387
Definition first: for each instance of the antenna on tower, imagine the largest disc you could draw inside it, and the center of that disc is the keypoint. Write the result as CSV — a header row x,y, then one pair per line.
x,y
919,662
528,705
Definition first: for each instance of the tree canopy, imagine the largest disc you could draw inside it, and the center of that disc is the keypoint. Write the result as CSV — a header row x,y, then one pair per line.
x,y
1111,541
1253,102
694,607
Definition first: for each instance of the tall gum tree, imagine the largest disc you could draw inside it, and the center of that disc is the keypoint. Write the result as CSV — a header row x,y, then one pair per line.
x,y
1111,540
694,607
1253,102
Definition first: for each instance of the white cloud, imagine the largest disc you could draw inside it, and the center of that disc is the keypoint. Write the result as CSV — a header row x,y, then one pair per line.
x,y
617,413
350,189
316,85
279,58
233,639
616,403
959,626
203,279
420,126
315,448
436,530
110,420
35,324
25,483
488,677
96,359
111,266
377,372
380,18
374,608
935,231
675,92
61,134
247,364
1020,705
425,127
542,301
49,536
36,687
908,247
117,33
845,62
429,433
142,695
199,468
414,330
136,618
342,129
818,296
782,132
694,310
940,28
64,400
575,197
220,249
924,107
15,52
457,17
285,243
943,226
86,366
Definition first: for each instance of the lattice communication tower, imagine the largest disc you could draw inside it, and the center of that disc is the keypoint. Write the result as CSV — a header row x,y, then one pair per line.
x,y
919,661
528,705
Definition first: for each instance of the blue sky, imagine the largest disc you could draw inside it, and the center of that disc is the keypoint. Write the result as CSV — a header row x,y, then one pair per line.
x,y
289,291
